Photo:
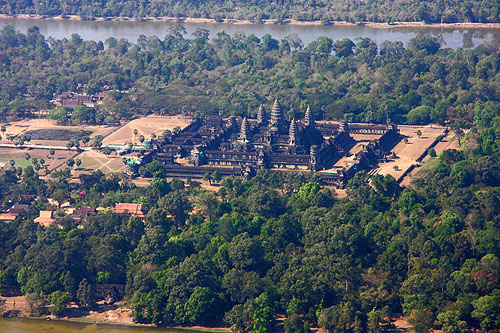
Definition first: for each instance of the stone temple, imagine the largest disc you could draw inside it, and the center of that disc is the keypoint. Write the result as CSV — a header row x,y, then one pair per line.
x,y
240,147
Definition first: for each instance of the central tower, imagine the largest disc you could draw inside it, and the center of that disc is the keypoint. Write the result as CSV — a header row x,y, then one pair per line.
x,y
276,123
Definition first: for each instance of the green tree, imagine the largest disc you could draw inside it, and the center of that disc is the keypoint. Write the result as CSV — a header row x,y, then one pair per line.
x,y
216,176
176,204
203,307
344,47
262,316
70,162
59,114
451,322
487,310
60,302
83,115
207,177
86,295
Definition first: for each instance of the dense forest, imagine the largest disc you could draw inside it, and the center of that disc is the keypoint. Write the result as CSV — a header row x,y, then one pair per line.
x,y
270,247
274,246
326,11
352,80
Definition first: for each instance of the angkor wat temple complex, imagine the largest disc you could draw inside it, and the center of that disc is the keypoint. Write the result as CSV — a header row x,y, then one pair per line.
x,y
240,147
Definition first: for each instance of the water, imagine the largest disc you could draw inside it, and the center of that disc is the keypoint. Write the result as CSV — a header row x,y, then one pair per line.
x,y
93,30
24,325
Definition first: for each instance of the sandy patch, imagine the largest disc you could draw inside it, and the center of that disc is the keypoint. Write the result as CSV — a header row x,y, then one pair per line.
x,y
407,153
145,126
448,142
23,126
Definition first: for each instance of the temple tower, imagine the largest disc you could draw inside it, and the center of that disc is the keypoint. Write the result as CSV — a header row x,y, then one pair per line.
x,y
293,134
261,115
309,118
197,156
313,158
244,132
344,127
276,115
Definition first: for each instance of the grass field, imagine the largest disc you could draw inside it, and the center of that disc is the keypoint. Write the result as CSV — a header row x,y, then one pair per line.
x,y
18,155
20,162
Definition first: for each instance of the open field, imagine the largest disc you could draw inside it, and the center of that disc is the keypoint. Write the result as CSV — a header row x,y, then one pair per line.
x,y
18,155
408,153
56,135
145,126
95,160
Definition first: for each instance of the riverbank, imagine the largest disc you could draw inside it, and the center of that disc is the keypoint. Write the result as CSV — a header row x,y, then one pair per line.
x,y
117,314
377,25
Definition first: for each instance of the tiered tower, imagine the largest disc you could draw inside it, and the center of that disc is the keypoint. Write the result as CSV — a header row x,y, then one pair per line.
x,y
244,132
276,116
261,115
309,118
344,127
313,158
293,134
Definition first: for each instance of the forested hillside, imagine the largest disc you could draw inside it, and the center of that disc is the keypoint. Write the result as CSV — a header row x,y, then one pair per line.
x,y
447,11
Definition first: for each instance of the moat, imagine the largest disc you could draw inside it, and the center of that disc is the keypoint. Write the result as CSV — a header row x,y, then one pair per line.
x,y
92,30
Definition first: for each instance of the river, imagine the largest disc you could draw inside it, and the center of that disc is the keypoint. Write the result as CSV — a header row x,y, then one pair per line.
x,y
101,30
24,325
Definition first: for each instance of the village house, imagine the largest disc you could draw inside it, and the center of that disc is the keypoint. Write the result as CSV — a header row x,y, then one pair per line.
x,y
46,218
80,213
130,208
13,212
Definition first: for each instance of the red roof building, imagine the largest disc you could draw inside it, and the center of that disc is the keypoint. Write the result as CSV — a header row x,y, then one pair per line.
x,y
8,217
129,208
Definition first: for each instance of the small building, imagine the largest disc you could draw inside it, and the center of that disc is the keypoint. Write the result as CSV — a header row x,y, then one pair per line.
x,y
18,208
130,208
110,292
8,217
80,213
13,212
46,218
